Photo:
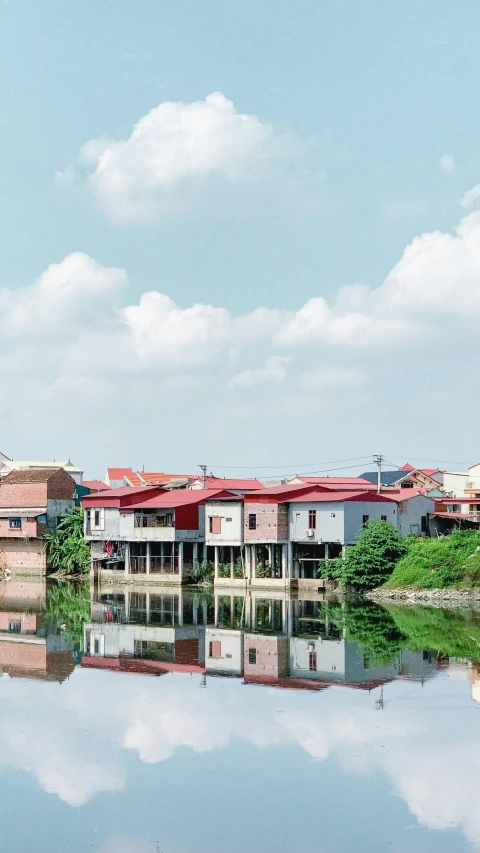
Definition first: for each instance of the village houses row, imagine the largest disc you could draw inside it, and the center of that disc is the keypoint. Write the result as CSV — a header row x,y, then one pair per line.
x,y
163,527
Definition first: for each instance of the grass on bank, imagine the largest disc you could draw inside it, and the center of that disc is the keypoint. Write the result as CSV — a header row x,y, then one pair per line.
x,y
452,560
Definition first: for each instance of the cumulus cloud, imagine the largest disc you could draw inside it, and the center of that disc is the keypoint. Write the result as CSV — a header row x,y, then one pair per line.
x,y
274,370
447,164
173,155
75,333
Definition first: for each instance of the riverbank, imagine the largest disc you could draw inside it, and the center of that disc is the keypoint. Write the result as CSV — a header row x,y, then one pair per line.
x,y
455,596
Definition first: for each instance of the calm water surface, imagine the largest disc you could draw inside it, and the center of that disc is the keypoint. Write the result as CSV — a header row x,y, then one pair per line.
x,y
143,720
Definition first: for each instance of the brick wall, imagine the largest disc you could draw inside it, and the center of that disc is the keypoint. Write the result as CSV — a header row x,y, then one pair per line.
x,y
23,556
60,486
271,526
29,528
23,494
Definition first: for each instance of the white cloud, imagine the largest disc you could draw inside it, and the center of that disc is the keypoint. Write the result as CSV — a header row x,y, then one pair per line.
x,y
68,296
173,155
447,164
470,196
274,370
74,335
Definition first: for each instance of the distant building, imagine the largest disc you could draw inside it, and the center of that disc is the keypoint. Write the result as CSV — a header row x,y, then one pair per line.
x,y
7,465
32,501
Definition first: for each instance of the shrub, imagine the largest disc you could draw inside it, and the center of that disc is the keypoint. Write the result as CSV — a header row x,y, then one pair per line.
x,y
372,560
451,560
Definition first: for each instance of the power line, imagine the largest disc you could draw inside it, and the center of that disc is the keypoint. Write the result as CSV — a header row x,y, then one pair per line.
x,y
283,467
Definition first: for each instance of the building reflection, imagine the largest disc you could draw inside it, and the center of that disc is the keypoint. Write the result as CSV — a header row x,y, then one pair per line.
x,y
280,641
30,646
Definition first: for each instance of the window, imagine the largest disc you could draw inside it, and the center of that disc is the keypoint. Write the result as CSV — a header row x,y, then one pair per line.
x,y
252,655
252,521
215,524
423,523
14,627
383,517
15,523
312,519
97,518
365,519
96,646
215,649
228,519
332,515
312,661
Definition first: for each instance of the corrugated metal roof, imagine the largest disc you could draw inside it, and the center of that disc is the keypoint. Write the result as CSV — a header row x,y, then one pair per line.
x,y
182,497
95,484
315,496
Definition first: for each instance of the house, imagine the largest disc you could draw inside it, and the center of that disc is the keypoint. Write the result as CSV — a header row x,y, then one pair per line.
x,y
414,510
147,531
32,501
265,533
224,651
322,523
116,478
472,486
224,539
7,465
406,477
450,513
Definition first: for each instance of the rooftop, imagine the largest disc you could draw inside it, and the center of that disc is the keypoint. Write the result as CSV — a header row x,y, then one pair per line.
x,y
182,497
30,475
15,464
315,496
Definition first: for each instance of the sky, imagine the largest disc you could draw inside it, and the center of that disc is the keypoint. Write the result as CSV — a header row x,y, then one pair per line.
x,y
113,762
245,235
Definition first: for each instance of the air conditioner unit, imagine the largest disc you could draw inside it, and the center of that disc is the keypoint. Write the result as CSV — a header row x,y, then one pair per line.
x,y
311,647
310,532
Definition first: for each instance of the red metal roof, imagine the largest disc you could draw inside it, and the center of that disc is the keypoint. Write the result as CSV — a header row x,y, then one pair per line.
x,y
120,473
407,467
99,485
120,497
180,497
315,496
283,489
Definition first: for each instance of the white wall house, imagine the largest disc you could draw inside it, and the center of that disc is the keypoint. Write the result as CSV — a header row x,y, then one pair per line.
x,y
324,518
413,513
224,522
454,482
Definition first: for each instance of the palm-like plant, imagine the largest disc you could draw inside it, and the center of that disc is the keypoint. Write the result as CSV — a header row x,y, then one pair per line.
x,y
66,548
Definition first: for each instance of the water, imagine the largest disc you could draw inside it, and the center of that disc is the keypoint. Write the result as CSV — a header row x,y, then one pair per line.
x,y
314,726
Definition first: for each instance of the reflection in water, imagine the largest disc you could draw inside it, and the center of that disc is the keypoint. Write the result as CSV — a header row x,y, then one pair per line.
x,y
387,693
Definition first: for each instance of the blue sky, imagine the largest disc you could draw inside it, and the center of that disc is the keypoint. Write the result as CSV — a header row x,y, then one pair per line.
x,y
359,134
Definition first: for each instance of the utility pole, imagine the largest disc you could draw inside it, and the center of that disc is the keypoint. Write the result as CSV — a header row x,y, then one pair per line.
x,y
378,459
203,469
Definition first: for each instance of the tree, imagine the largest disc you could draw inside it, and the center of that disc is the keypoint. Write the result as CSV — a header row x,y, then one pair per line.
x,y
66,548
68,605
372,560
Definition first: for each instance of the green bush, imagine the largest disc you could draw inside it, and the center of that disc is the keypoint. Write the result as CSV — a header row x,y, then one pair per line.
x,y
372,560
451,560
69,605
